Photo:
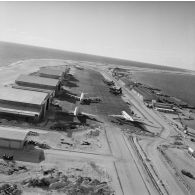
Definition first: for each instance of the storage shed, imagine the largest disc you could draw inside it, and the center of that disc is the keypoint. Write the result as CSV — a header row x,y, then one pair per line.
x,y
30,104
38,82
144,94
13,139
51,73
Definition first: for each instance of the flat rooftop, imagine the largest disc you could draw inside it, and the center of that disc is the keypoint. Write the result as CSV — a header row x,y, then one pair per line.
x,y
22,96
13,134
19,110
50,71
146,94
50,92
37,80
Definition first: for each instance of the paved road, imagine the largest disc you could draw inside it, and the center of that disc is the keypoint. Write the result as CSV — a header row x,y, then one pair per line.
x,y
173,186
53,153
129,174
131,180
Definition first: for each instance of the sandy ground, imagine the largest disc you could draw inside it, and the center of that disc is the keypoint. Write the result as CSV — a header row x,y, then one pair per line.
x,y
182,160
60,140
76,167
110,156
149,146
60,156
116,159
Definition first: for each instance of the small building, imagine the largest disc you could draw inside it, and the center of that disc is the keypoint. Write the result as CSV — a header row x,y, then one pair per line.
x,y
144,94
36,82
51,93
163,105
51,73
166,110
12,139
29,104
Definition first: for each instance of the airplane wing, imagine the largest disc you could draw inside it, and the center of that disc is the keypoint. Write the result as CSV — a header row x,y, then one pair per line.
x,y
117,116
86,114
144,122
141,120
74,96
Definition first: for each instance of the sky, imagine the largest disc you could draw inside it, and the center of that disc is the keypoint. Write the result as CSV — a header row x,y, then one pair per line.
x,y
155,32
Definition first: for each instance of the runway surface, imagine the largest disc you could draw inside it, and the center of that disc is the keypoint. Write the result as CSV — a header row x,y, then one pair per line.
x,y
91,82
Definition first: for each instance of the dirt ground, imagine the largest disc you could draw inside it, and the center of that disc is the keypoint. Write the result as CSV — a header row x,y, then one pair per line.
x,y
97,149
71,170
85,139
82,138
181,160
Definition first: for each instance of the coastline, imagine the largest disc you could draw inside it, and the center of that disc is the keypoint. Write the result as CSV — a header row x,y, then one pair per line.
x,y
140,76
179,87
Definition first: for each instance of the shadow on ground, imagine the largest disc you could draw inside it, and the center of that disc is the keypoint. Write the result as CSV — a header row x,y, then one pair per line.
x,y
34,155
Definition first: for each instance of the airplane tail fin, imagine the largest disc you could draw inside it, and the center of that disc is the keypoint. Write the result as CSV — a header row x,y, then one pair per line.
x,y
76,111
82,95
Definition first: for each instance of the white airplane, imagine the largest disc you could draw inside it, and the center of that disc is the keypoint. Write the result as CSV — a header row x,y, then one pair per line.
x,y
77,113
127,118
82,98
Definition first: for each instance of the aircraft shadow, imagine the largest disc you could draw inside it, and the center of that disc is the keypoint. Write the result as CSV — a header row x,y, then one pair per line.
x,y
72,78
138,125
70,84
63,96
83,119
64,116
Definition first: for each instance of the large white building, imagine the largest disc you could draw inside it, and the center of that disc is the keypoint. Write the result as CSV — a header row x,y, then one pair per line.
x,y
49,72
28,104
36,83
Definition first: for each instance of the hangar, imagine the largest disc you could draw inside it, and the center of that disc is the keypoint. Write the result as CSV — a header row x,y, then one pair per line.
x,y
51,73
35,82
144,94
29,104
50,92
12,139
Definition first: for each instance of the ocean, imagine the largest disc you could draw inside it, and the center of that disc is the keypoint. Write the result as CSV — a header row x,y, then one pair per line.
x,y
12,52
181,86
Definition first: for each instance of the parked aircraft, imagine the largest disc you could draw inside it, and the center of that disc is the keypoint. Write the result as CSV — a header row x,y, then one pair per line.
x,y
125,117
77,112
108,82
116,91
82,116
83,100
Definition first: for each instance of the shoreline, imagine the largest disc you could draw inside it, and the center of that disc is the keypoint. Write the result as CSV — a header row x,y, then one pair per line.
x,y
167,84
189,123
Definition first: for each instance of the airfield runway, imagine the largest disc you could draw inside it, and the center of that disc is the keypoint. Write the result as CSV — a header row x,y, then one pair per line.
x,y
91,82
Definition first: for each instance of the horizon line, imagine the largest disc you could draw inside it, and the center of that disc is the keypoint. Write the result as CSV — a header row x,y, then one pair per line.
x,y
101,56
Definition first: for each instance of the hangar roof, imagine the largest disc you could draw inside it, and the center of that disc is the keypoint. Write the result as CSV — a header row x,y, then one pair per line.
x,y
145,93
13,134
50,92
37,80
22,96
50,71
